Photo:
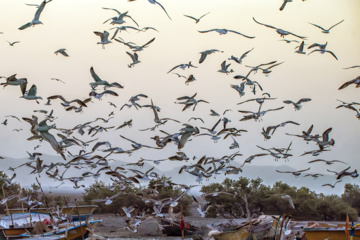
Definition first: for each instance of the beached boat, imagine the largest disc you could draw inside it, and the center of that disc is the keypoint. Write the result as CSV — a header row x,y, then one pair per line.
x,y
264,227
330,231
25,225
84,211
255,229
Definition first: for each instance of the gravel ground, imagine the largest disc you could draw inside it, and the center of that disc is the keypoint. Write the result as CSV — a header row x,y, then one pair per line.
x,y
113,227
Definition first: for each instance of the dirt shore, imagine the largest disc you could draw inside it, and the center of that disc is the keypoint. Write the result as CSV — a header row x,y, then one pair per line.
x,y
114,227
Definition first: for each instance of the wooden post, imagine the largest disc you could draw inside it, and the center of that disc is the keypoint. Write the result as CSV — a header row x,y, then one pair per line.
x,y
182,217
77,209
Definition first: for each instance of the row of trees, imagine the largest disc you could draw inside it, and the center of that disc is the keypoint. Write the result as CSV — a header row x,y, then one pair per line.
x,y
248,197
262,199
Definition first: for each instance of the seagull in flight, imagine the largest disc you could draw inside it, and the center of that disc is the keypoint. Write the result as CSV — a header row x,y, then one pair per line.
x,y
182,66
31,94
205,53
322,49
355,81
104,38
327,30
202,209
119,19
301,48
239,60
12,43
196,19
355,66
36,20
223,31
134,58
279,31
107,200
62,51
297,104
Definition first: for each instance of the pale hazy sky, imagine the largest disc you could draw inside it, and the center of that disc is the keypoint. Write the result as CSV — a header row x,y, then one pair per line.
x,y
70,24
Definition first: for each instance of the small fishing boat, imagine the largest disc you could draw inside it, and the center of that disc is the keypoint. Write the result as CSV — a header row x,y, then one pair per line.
x,y
85,211
331,231
264,227
26,225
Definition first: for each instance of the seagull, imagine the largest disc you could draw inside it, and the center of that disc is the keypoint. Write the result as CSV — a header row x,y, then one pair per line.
x,y
325,140
239,88
355,66
4,122
133,47
295,173
350,106
13,116
207,52
190,101
196,19
314,175
252,157
62,52
134,58
156,2
297,105
36,20
224,68
287,198
144,29
65,102
13,81
266,132
279,31
222,31
57,79
301,48
122,28
119,19
99,81
239,60
355,81
104,38
322,49
31,94
183,66
353,174
327,30
12,43
202,209
107,200
328,162
136,145
331,185
43,129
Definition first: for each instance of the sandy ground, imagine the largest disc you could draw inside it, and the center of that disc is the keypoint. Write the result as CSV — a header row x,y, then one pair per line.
x,y
113,227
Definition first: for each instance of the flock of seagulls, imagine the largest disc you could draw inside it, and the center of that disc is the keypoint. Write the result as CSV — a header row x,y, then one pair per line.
x,y
97,156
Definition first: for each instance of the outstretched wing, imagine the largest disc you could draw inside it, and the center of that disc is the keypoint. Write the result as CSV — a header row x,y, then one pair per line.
x,y
264,24
240,33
